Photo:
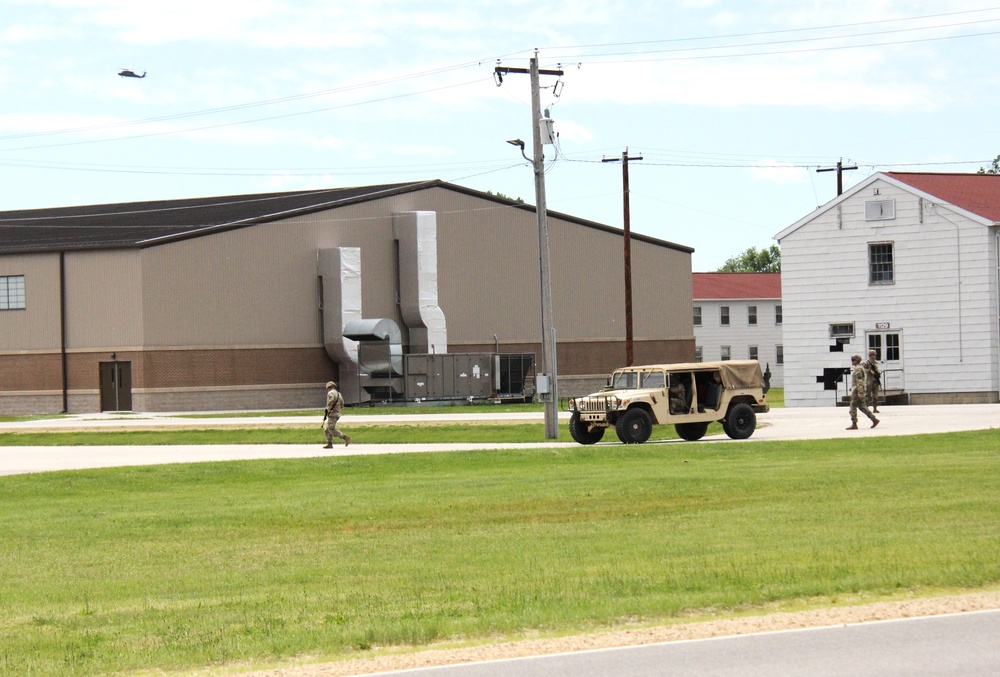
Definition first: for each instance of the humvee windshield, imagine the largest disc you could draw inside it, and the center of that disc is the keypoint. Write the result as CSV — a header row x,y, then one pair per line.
x,y
630,380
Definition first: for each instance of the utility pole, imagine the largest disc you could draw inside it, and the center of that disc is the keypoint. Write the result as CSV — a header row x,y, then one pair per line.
x,y
840,169
547,382
626,231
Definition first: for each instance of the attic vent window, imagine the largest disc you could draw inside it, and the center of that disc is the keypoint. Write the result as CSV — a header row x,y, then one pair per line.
x,y
842,330
880,210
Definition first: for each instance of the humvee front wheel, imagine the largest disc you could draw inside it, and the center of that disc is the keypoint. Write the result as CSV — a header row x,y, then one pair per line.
x,y
740,421
691,431
578,430
634,426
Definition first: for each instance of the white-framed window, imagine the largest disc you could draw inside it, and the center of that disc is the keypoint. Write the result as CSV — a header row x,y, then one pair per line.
x,y
880,263
697,316
12,292
842,330
777,314
751,315
779,352
752,353
724,316
725,353
698,354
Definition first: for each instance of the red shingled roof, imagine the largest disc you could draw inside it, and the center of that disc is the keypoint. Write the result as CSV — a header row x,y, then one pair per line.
x,y
736,285
977,193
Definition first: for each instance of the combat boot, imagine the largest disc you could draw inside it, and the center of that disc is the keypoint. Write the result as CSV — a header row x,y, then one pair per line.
x,y
853,426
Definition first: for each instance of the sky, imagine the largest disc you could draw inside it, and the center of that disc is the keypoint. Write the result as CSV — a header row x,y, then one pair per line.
x,y
733,105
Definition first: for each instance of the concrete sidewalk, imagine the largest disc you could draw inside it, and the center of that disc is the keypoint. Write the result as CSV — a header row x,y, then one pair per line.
x,y
778,424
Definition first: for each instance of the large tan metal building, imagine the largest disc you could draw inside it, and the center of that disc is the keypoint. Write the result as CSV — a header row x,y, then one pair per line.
x,y
255,301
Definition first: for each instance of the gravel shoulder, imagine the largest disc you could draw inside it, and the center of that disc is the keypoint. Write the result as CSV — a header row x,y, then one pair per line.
x,y
723,627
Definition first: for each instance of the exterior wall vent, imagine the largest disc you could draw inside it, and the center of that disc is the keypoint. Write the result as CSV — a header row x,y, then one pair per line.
x,y
843,330
880,210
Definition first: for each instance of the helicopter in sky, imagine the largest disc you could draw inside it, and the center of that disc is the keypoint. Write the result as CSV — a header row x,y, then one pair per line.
x,y
127,73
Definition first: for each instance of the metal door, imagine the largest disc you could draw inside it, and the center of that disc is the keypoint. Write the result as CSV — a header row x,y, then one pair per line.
x,y
116,386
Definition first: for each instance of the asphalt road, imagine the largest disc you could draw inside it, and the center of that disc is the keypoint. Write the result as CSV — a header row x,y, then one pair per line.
x,y
778,424
959,645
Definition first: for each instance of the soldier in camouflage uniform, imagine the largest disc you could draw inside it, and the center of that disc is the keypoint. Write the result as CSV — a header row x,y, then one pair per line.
x,y
874,380
859,386
334,406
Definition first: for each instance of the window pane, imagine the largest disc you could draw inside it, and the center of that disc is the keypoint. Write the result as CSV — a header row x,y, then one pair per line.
x,y
892,347
777,314
880,263
724,353
697,316
11,292
724,315
752,314
752,353
780,351
875,343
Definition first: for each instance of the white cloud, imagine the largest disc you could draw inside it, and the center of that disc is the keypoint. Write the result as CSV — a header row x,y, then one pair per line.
x,y
772,171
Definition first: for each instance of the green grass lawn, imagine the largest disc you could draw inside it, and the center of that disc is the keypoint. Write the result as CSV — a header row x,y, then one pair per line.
x,y
192,566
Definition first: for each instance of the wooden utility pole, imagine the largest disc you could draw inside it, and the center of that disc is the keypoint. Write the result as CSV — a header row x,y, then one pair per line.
x,y
840,169
627,230
548,381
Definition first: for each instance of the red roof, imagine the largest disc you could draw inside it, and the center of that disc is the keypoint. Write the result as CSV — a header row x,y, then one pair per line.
x,y
976,193
736,285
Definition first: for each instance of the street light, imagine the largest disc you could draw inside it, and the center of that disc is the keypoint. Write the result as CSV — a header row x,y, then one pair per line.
x,y
548,380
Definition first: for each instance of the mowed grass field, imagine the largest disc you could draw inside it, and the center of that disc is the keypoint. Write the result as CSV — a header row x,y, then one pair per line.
x,y
179,568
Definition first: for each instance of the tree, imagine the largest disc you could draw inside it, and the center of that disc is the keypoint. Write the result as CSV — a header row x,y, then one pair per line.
x,y
506,197
995,169
754,261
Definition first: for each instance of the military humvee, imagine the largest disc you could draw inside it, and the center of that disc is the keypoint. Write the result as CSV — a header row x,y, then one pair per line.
x,y
690,396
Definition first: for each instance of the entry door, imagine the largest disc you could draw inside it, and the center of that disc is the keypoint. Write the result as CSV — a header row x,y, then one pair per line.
x,y
116,386
888,347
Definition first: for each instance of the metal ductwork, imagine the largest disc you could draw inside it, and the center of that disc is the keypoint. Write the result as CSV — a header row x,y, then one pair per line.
x,y
416,233
339,270
369,353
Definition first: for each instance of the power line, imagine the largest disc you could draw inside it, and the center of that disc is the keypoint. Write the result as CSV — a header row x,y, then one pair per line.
x,y
481,62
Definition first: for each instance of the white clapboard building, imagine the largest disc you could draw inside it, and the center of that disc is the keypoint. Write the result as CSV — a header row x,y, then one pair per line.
x,y
905,264
738,316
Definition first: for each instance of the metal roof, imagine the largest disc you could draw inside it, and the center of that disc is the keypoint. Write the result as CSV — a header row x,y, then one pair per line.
x,y
143,224
146,224
976,193
729,286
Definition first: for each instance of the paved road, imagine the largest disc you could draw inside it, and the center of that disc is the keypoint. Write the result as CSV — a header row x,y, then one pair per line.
x,y
778,424
959,645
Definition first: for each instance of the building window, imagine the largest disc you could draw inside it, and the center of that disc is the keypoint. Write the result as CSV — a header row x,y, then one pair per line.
x,y
844,330
779,354
724,316
697,316
751,315
724,353
698,354
880,263
11,292
777,314
752,352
